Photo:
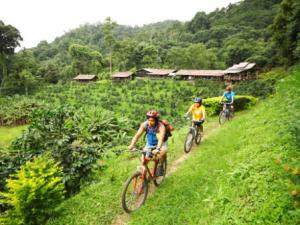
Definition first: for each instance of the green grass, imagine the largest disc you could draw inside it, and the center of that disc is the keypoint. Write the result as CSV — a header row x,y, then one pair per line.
x,y
8,134
233,177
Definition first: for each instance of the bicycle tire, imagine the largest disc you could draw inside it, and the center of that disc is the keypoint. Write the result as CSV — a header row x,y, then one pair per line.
x,y
158,182
198,137
142,196
188,143
222,118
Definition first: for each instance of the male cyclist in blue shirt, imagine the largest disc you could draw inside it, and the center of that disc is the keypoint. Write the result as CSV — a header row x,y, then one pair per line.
x,y
229,97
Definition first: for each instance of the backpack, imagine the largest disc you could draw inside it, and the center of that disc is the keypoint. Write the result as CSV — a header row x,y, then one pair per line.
x,y
168,126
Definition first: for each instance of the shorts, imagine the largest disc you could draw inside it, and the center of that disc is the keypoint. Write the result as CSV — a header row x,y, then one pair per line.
x,y
164,147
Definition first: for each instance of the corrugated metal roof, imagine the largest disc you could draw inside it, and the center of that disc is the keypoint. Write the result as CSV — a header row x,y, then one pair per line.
x,y
85,77
210,73
122,74
237,68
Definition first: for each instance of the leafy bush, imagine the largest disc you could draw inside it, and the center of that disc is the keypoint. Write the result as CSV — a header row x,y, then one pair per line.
x,y
33,192
213,106
258,88
75,138
15,110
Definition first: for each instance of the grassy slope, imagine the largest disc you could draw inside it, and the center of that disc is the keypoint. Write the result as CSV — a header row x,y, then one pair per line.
x,y
224,182
233,177
8,134
99,203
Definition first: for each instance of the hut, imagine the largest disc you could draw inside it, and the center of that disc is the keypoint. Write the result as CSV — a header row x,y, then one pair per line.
x,y
241,71
200,74
154,73
85,78
122,76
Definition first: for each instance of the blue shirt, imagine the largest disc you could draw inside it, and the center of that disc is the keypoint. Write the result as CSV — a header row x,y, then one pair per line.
x,y
229,96
152,139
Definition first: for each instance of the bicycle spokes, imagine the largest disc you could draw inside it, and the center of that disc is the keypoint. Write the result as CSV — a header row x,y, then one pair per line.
x,y
134,193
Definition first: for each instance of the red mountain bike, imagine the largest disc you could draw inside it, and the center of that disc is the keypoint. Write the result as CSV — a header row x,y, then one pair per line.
x,y
136,187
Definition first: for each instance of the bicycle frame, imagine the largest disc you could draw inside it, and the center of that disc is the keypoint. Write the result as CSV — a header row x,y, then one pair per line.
x,y
145,168
227,109
194,129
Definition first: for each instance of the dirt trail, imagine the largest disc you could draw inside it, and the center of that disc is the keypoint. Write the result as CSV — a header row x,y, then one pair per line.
x,y
123,218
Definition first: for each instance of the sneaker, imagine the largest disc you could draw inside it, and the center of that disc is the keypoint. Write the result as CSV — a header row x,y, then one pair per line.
x,y
160,171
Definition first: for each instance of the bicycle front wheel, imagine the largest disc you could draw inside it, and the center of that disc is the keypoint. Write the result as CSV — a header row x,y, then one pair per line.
x,y
222,117
135,192
188,142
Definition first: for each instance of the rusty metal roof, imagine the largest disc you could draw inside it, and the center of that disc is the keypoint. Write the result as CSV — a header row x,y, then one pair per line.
x,y
204,73
84,77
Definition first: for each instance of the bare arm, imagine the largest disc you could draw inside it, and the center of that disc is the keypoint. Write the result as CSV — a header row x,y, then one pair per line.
x,y
222,99
232,100
161,136
189,111
137,136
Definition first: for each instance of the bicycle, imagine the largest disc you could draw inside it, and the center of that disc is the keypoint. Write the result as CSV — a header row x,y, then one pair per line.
x,y
225,114
193,133
135,190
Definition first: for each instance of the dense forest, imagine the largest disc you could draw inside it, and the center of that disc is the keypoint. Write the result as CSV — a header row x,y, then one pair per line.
x,y
262,31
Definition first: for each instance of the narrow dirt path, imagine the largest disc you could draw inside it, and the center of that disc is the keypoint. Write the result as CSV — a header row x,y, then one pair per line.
x,y
123,218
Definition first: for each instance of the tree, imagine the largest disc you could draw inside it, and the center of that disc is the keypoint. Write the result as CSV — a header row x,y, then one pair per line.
x,y
49,71
199,22
27,79
109,39
85,60
145,55
286,31
9,40
195,56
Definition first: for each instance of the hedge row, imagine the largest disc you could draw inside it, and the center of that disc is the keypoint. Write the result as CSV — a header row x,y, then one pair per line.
x,y
213,106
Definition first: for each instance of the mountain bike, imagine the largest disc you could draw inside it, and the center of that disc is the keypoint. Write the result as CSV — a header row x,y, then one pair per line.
x,y
225,114
193,133
136,187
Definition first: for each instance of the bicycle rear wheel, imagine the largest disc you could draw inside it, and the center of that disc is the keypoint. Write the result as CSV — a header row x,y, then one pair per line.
x,y
135,192
222,117
158,180
188,142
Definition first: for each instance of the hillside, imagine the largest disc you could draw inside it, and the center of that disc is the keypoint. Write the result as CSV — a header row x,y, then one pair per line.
x,y
236,176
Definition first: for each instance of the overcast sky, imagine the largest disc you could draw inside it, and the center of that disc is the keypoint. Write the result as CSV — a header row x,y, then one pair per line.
x,y
46,19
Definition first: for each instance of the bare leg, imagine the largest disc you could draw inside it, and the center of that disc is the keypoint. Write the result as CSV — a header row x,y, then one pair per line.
x,y
162,157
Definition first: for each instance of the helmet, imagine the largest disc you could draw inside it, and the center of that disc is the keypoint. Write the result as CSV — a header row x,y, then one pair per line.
x,y
198,100
153,114
228,88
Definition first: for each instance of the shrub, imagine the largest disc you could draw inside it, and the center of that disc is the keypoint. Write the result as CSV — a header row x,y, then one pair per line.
x,y
75,138
258,88
213,106
33,192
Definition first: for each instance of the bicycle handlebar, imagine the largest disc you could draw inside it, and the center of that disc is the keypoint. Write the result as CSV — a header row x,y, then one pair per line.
x,y
142,150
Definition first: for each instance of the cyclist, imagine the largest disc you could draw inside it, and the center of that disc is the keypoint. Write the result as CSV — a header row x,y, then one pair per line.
x,y
198,113
155,133
229,97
